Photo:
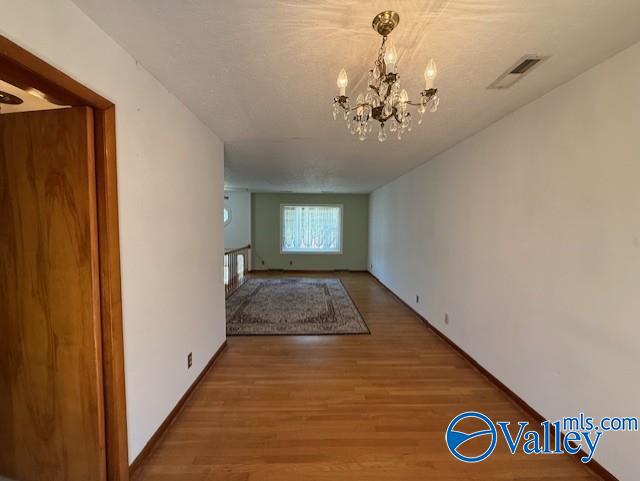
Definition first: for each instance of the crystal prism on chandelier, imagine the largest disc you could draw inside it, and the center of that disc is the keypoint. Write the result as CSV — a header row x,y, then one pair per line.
x,y
385,102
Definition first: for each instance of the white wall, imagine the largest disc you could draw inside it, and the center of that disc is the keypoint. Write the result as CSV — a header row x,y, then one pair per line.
x,y
238,232
528,235
170,181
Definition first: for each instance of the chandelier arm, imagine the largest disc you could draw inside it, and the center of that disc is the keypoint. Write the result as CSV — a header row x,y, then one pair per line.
x,y
383,120
366,104
429,94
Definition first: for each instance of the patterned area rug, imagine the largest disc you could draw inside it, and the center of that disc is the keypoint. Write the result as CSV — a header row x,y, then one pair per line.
x,y
269,307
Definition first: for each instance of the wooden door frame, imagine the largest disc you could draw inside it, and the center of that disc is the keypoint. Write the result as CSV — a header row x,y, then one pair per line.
x,y
24,70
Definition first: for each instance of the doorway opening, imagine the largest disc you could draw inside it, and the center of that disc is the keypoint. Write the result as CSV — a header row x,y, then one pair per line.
x,y
55,110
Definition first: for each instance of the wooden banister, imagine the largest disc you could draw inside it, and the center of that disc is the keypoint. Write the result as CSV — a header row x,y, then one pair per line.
x,y
236,268
237,249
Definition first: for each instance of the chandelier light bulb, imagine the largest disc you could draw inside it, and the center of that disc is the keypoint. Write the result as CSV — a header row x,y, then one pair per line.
x,y
390,56
430,74
342,81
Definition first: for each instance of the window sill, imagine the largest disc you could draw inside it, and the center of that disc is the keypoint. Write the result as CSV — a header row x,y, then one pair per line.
x,y
298,253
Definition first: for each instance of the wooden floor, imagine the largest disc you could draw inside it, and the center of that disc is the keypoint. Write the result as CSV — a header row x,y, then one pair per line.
x,y
342,408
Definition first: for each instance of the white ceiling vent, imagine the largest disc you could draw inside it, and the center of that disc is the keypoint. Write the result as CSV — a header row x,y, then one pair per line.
x,y
521,68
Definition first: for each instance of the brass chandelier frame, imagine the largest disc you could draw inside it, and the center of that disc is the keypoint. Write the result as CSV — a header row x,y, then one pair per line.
x,y
383,23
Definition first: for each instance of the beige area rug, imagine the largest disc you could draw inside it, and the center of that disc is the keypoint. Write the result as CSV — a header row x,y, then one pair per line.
x,y
296,306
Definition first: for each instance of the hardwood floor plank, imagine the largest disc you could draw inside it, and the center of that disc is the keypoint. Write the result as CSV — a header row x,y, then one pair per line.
x,y
334,408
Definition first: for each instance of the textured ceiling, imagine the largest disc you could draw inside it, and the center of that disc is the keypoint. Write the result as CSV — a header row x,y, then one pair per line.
x,y
261,73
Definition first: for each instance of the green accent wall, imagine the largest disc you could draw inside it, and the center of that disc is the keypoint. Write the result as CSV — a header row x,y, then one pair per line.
x,y
265,233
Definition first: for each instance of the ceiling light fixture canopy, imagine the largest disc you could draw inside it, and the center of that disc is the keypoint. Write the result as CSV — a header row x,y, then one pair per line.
x,y
384,101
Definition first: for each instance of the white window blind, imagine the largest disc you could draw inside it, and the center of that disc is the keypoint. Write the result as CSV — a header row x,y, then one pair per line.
x,y
311,228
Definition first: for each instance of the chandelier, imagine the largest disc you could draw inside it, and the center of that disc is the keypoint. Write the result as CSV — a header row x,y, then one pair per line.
x,y
384,101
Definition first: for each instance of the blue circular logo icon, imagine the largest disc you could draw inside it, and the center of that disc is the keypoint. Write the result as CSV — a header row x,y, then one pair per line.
x,y
455,439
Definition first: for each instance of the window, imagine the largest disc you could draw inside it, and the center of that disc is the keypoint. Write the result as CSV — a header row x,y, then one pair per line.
x,y
226,216
314,229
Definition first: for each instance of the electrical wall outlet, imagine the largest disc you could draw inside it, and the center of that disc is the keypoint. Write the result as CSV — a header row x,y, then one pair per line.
x,y
446,318
417,299
290,263
189,360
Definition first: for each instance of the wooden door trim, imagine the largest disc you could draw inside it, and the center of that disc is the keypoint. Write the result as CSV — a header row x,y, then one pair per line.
x,y
25,70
